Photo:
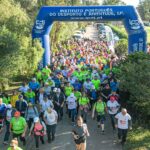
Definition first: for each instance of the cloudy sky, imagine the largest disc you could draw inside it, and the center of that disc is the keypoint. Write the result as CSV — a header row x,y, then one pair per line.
x,y
131,2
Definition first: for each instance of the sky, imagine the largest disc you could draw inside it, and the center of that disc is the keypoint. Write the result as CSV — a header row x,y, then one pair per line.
x,y
131,2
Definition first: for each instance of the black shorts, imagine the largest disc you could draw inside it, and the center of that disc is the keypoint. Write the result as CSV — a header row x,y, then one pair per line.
x,y
101,118
80,140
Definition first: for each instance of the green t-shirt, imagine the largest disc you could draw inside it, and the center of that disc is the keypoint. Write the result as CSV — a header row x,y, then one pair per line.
x,y
79,76
68,90
18,125
100,107
38,75
77,95
46,70
6,100
75,73
96,83
18,148
44,77
83,101
30,94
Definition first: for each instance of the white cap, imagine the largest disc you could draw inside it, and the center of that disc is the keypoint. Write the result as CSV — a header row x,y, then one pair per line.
x,y
9,106
36,119
46,83
55,89
58,90
34,79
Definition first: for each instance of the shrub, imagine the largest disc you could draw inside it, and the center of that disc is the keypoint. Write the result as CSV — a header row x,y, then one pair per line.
x,y
134,76
121,48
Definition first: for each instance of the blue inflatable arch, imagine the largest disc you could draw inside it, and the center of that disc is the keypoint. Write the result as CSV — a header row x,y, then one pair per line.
x,y
127,14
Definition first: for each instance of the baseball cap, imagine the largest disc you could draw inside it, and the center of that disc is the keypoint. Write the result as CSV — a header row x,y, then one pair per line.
x,y
9,106
17,114
36,119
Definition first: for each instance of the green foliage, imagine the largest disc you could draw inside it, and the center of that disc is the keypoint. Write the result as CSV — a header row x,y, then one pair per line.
x,y
62,31
134,78
112,2
17,55
121,48
138,140
121,34
144,10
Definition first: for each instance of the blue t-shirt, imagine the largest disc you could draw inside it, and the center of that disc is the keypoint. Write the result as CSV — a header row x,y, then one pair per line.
x,y
2,109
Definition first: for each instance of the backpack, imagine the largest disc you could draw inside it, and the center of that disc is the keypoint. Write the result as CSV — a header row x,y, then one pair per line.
x,y
103,106
33,109
39,130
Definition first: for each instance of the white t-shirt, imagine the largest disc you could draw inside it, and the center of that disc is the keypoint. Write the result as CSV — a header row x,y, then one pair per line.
x,y
51,117
8,115
46,104
40,97
123,120
23,89
71,100
113,106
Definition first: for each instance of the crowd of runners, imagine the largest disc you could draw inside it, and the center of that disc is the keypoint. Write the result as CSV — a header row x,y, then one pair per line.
x,y
80,82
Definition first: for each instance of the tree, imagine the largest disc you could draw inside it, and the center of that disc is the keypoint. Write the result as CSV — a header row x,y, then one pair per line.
x,y
144,10
113,2
121,48
134,76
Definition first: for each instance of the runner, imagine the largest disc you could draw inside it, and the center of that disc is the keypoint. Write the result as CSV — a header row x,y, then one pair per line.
x,y
100,109
2,114
80,131
21,105
9,113
84,106
113,107
38,129
50,118
30,113
18,127
123,123
14,145
72,107
58,100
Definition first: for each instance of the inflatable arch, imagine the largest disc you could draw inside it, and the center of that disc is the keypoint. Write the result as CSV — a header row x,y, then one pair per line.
x,y
128,14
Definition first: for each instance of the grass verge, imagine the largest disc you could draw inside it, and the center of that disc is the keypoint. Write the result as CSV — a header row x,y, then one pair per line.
x,y
138,139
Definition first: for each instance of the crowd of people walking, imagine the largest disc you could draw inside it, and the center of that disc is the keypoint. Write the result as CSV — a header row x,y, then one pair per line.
x,y
80,79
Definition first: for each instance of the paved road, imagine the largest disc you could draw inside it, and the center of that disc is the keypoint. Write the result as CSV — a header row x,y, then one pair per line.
x,y
64,140
91,33
96,141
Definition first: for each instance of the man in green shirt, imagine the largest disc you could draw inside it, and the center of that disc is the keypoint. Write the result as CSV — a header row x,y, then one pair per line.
x,y
30,96
68,89
100,109
46,70
84,106
18,127
96,82
77,94
38,75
